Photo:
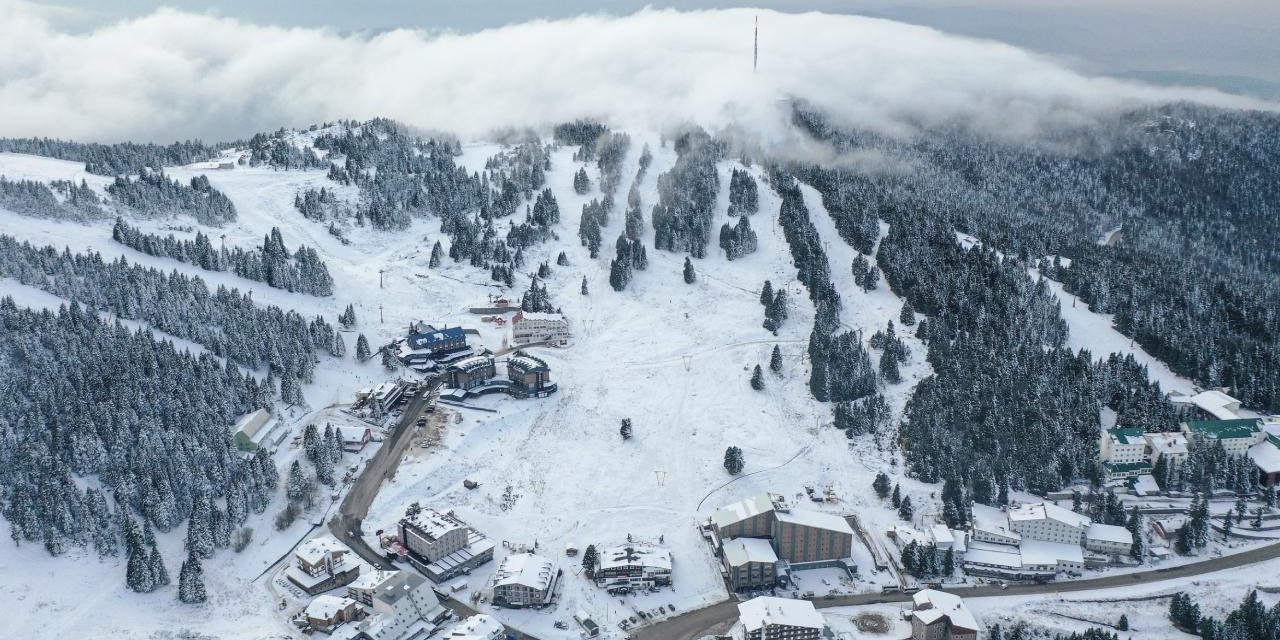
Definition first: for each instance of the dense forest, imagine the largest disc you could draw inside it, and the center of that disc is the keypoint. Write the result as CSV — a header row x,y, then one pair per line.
x,y
1191,273
152,193
55,200
125,158
302,271
82,397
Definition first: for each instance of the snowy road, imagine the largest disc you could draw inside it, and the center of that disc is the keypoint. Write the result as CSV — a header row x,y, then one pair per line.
x,y
718,617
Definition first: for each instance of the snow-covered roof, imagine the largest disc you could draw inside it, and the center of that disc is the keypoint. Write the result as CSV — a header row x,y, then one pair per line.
x,y
1145,484
943,603
745,509
1039,552
477,627
529,315
759,613
1108,533
740,551
473,362
815,519
353,434
250,423
941,535
325,607
369,580
985,553
434,524
1048,511
401,586
430,338
1169,442
316,549
525,569
1213,402
645,555
1266,455
526,364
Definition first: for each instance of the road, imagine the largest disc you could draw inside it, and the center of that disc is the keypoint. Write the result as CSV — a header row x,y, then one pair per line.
x,y
718,617
346,524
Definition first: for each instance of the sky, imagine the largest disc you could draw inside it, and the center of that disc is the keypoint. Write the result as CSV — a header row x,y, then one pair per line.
x,y
140,71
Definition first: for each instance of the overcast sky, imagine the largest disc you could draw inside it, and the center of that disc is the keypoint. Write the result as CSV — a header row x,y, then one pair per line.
x,y
1229,44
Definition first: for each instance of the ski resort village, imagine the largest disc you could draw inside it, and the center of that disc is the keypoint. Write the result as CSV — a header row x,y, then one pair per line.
x,y
379,385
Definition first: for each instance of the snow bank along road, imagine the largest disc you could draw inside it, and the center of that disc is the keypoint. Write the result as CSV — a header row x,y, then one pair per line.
x,y
720,616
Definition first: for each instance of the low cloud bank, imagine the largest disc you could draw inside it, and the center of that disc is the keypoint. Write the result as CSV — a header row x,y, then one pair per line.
x,y
176,75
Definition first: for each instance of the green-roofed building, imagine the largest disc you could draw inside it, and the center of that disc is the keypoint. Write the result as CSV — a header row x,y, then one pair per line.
x,y
1120,447
1236,436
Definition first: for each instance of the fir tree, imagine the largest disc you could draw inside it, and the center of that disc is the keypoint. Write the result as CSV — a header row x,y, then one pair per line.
x,y
362,348
905,511
191,581
757,379
590,559
733,461
437,254
625,430
158,571
896,497
775,360
389,361
1123,623
881,485
690,276
889,367
338,349
766,294
584,285
581,183
908,315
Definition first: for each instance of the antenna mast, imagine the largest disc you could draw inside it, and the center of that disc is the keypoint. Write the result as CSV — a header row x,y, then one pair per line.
x,y
755,48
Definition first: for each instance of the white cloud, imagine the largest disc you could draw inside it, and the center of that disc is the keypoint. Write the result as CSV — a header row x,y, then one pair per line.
x,y
173,75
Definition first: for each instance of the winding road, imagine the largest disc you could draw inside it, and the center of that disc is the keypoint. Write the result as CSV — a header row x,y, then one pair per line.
x,y
719,617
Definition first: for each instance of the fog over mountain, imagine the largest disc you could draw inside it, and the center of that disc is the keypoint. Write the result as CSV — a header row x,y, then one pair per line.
x,y
174,74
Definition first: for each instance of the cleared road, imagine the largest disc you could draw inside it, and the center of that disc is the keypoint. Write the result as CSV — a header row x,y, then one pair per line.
x,y
717,618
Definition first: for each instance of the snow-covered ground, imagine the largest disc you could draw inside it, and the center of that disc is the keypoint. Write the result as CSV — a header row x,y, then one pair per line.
x,y
674,358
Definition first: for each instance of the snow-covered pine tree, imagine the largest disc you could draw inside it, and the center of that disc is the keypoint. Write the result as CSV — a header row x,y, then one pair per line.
x,y
362,348
191,581
690,276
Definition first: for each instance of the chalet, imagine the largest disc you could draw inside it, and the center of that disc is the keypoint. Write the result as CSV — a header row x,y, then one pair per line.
x,y
634,566
531,376
386,394
470,373
321,564
937,615
251,429
549,328
327,612
522,580
354,438
768,618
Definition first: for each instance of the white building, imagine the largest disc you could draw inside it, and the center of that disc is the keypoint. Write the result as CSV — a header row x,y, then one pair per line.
x,y
1236,436
1048,523
551,328
634,566
327,612
322,563
478,627
522,580
1123,446
1108,539
995,533
403,607
1171,446
767,618
937,615
361,590
1056,557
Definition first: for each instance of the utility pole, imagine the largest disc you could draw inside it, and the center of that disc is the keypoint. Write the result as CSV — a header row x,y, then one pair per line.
x,y
380,271
755,48
380,319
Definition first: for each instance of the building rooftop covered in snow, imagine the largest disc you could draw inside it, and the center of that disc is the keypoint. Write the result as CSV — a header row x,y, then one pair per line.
x,y
767,618
523,580
937,615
